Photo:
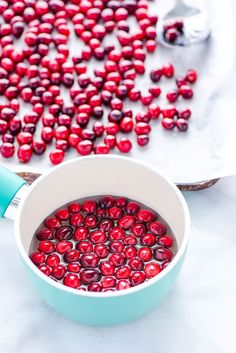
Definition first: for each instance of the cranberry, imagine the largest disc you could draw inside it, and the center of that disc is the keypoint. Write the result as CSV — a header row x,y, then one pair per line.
x,y
152,269
110,140
186,92
52,260
38,257
158,228
39,147
126,222
44,234
156,75
135,264
107,268
145,254
184,113
84,147
76,219
84,247
56,156
101,250
116,234
116,246
58,271
89,260
105,225
123,272
71,280
45,269
137,278
130,252
89,206
182,124
168,70
124,145
165,240
63,246
7,150
97,237
64,233
108,282
122,284
46,246
134,94
162,254
24,153
117,259
168,123
71,255
172,96
89,276
171,35
191,76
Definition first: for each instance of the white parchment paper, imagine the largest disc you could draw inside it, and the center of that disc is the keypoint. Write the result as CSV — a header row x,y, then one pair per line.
x,y
207,150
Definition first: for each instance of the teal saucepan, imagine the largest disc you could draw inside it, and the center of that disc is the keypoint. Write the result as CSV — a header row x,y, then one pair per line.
x,y
89,176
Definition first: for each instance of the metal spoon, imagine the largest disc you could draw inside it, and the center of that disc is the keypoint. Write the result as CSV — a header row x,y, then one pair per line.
x,y
196,25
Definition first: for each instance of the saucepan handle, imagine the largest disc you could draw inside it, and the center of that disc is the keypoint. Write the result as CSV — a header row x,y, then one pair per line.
x,y
10,185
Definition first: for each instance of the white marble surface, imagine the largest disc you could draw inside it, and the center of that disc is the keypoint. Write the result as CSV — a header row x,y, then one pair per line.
x,y
197,316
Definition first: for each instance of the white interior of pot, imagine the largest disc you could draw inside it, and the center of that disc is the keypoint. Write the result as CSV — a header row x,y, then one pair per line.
x,y
101,175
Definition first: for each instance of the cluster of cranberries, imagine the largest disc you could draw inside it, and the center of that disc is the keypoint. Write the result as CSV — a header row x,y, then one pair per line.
x,y
36,75
173,29
104,244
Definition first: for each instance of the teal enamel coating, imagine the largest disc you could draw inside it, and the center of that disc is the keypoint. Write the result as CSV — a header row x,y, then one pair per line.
x,y
108,310
10,183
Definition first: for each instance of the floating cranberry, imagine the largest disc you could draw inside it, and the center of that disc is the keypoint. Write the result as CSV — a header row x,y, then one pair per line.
x,y
158,228
165,240
116,234
108,282
117,259
97,237
46,246
64,233
45,269
101,250
148,239
90,221
71,255
63,246
58,271
84,247
44,234
89,276
130,252
135,264
105,225
89,260
137,278
95,287
38,257
71,280
76,219
53,260
152,269
145,254
123,272
126,222
162,254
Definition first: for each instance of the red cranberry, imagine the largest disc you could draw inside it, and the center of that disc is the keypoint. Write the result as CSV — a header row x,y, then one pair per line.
x,y
89,206
191,76
158,228
45,269
71,280
97,237
145,254
44,234
81,233
73,267
186,92
137,278
76,219
165,240
89,260
105,225
108,282
184,113
135,264
7,150
123,272
56,156
156,75
58,271
152,269
85,147
116,246
124,145
39,147
46,246
126,222
168,123
95,287
182,124
52,260
74,207
116,233
171,35
63,246
24,153
90,275
110,140
168,70
38,257
130,252
122,284
172,96
64,233
84,247
117,259
71,255
162,254
101,250
107,268
130,240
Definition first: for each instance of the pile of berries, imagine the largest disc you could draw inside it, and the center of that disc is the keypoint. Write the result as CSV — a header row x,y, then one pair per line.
x,y
104,244
96,117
